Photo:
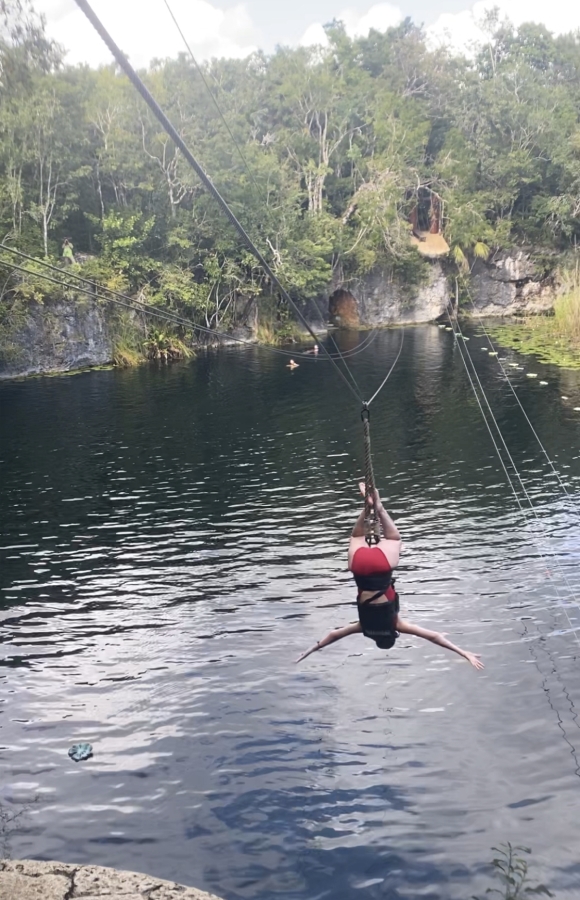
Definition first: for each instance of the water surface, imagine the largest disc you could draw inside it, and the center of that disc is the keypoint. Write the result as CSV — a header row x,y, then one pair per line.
x,y
173,537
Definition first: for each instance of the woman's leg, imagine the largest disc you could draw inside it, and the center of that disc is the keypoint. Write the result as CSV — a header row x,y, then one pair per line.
x,y
390,530
359,526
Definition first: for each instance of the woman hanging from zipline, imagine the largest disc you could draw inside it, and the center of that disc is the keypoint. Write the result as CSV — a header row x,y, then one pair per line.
x,y
377,600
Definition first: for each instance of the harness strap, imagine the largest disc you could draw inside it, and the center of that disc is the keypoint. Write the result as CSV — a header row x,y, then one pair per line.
x,y
378,581
370,599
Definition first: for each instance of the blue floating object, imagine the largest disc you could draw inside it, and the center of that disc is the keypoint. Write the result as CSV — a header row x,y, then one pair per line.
x,y
79,752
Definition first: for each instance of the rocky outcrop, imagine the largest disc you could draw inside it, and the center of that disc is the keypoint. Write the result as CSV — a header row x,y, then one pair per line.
x,y
29,880
64,335
379,300
511,284
61,335
56,336
508,284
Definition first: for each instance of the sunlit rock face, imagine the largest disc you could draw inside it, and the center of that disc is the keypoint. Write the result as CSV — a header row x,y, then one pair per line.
x,y
511,284
508,284
380,300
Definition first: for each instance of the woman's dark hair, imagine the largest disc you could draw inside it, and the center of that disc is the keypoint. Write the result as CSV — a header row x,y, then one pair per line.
x,y
388,641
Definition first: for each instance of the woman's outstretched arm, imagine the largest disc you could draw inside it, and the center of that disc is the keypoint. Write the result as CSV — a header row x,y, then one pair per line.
x,y
436,638
330,638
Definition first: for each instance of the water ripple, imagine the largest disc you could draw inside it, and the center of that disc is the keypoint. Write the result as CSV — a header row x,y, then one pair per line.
x,y
173,538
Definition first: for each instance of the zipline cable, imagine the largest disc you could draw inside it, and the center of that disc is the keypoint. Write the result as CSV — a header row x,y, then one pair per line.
x,y
179,142
462,347
345,364
372,529
141,306
527,418
137,306
210,92
371,520
244,160
523,512
388,375
509,456
134,305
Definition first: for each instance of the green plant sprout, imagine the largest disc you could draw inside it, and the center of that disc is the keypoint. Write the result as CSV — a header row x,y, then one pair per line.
x,y
511,870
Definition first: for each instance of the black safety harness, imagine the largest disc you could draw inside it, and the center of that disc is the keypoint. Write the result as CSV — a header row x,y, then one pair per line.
x,y
377,620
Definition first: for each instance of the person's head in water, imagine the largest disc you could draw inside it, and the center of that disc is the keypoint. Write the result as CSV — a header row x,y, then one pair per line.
x,y
316,348
292,365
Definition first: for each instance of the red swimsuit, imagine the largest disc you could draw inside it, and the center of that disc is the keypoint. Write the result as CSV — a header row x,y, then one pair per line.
x,y
372,561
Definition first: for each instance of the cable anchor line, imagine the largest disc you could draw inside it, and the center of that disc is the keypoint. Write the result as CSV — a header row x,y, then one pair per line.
x,y
170,129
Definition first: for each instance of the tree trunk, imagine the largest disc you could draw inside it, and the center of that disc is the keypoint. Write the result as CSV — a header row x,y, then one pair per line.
x,y
45,232
100,191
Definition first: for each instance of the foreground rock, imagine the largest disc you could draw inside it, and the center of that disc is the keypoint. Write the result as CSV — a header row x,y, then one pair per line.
x,y
29,880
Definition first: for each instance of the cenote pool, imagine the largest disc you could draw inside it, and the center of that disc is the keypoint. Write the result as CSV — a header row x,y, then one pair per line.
x,y
173,537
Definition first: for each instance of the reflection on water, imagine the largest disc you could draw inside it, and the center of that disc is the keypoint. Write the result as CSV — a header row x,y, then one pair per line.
x,y
174,537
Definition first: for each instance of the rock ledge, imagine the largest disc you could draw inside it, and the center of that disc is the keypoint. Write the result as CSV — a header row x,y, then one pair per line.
x,y
30,880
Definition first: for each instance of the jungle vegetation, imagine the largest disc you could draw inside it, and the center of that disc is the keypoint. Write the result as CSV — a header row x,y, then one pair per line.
x,y
339,145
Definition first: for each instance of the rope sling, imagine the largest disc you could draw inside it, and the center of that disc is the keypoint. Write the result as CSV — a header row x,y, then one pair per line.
x,y
371,520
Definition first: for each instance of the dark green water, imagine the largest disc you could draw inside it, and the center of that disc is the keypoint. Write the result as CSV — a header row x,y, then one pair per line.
x,y
173,537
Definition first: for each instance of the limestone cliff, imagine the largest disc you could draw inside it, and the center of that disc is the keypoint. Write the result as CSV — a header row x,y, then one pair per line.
x,y
55,336
61,334
511,284
380,300
508,284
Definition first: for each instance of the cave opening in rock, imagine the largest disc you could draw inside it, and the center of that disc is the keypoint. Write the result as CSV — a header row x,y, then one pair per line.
x,y
343,309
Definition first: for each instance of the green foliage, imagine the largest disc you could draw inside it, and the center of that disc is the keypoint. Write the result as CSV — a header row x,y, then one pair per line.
x,y
339,145
160,345
127,335
511,871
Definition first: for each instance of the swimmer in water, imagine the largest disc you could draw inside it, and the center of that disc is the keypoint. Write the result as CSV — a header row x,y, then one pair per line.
x,y
292,365
377,600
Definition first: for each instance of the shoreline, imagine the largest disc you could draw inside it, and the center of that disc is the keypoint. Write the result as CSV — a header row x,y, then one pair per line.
x,y
526,336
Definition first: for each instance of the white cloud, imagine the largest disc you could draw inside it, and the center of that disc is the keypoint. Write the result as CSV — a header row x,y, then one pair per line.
x,y
144,29
380,16
461,29
314,36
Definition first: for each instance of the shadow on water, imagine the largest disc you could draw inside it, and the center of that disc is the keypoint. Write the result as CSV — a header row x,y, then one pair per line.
x,y
173,538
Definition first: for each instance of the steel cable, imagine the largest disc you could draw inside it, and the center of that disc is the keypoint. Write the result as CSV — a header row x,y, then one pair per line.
x,y
206,181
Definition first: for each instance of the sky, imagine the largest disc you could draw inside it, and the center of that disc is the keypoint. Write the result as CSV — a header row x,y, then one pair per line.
x,y
235,28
